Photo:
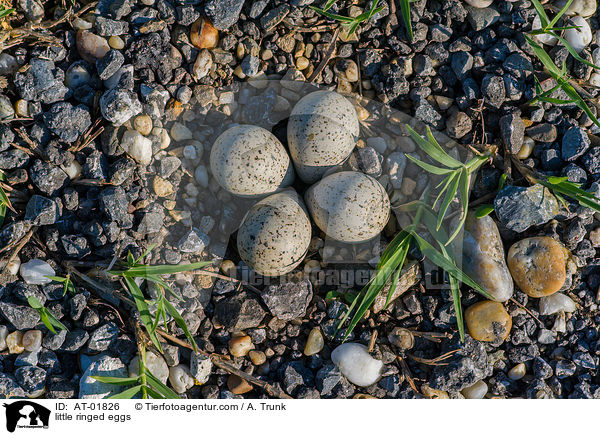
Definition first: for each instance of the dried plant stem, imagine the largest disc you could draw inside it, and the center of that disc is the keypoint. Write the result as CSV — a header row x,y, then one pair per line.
x,y
327,56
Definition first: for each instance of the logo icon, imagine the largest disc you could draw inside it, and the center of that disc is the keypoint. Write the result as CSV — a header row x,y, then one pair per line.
x,y
26,414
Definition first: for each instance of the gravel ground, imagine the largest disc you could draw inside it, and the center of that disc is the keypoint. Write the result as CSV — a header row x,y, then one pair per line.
x,y
109,112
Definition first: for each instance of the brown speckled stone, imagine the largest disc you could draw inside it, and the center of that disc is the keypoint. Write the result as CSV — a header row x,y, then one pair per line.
x,y
537,264
488,321
322,131
275,234
349,206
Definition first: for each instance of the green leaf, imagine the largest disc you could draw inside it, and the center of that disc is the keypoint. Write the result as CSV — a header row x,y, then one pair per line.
x,y
433,149
142,307
571,92
329,4
130,393
34,303
429,168
544,58
464,196
46,321
145,270
180,322
6,12
112,380
159,387
483,210
573,52
455,291
502,181
557,180
406,17
541,13
560,14
335,17
450,194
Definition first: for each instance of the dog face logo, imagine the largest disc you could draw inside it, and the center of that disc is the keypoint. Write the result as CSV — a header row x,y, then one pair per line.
x,y
24,413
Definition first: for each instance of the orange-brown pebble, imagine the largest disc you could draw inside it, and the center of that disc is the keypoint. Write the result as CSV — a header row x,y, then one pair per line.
x,y
240,346
238,385
203,34
488,321
538,265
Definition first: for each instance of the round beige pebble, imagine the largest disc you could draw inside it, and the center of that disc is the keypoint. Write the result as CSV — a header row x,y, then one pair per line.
x,y
14,342
240,345
257,357
116,42
315,342
32,340
143,124
488,321
162,187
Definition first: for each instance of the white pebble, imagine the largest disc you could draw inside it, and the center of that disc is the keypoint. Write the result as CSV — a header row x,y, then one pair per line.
x,y
32,340
544,38
35,272
479,3
203,64
180,378
189,152
155,363
595,80
580,37
556,303
81,24
73,169
356,364
13,266
137,146
3,335
200,367
476,391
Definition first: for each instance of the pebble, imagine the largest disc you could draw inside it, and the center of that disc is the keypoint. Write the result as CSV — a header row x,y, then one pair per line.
x,y
556,303
22,108
402,338
519,208
479,3
517,372
143,124
583,8
240,346
118,105
162,187
200,368
356,364
3,335
6,109
77,75
481,18
32,340
137,146
90,388
257,357
575,143
544,38
315,342
512,131
14,342
180,132
476,391
290,300
579,37
203,64
116,42
35,272
238,385
537,264
155,363
203,34
90,46
180,378
488,321
458,124
483,257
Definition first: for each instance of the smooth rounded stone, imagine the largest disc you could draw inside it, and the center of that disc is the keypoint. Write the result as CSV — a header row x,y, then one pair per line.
x,y
556,303
315,342
538,265
3,335
250,161
488,321
257,357
583,8
116,42
238,385
35,272
517,372
526,148
90,388
8,64
579,37
91,47
240,346
73,169
479,3
402,338
200,367
180,132
356,364
162,187
14,342
155,363
180,378
274,237
32,340
143,124
22,108
77,75
322,132
349,206
476,391
483,257
544,38
203,34
137,146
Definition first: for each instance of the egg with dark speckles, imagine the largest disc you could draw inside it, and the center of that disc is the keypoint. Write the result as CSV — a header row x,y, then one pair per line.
x,y
275,233
349,206
250,161
322,132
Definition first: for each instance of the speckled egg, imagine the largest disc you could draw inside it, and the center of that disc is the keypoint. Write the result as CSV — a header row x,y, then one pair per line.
x,y
274,236
322,131
349,206
249,161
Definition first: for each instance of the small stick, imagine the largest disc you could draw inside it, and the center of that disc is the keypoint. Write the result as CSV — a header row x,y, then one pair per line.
x,y
434,361
407,374
372,341
17,246
528,311
327,56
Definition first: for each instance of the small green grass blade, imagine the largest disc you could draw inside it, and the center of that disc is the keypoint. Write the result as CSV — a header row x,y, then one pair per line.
x,y
112,380
129,393
180,322
142,307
